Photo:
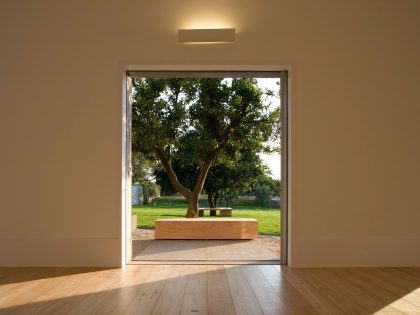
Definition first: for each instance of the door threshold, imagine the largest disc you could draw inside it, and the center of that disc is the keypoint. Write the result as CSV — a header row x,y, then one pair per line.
x,y
204,262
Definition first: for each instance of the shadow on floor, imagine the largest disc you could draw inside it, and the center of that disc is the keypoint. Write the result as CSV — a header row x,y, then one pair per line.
x,y
177,250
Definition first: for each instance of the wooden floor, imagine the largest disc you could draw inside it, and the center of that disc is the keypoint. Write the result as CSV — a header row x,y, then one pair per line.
x,y
203,250
209,289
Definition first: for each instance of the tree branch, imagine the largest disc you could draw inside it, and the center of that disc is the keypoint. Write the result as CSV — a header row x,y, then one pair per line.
x,y
211,156
171,174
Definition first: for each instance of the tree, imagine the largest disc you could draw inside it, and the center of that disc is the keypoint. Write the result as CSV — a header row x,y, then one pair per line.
x,y
205,115
230,175
233,175
263,194
272,184
151,192
142,168
265,189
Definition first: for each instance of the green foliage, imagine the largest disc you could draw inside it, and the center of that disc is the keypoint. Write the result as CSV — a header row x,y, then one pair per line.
x,y
159,114
151,192
265,189
263,195
142,168
234,175
273,185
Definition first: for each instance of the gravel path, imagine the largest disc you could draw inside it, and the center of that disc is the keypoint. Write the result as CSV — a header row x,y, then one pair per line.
x,y
272,242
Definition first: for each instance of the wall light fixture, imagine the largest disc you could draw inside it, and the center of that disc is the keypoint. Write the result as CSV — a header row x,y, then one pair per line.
x,y
214,35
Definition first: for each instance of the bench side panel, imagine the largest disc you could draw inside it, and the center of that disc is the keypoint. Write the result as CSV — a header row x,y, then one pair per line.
x,y
199,230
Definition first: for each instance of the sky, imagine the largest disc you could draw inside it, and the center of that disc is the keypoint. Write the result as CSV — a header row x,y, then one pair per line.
x,y
271,160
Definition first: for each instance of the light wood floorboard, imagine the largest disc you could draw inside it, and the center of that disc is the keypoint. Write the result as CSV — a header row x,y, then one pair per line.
x,y
209,289
219,299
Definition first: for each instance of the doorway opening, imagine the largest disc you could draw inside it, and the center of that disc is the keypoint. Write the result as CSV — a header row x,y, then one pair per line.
x,y
207,166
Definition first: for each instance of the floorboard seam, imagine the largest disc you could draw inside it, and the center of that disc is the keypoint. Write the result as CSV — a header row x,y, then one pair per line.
x,y
252,290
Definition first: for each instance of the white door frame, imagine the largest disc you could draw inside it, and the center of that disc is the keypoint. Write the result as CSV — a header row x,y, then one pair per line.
x,y
285,192
126,245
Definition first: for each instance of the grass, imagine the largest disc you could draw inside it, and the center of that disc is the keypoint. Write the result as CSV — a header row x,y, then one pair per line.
x,y
175,207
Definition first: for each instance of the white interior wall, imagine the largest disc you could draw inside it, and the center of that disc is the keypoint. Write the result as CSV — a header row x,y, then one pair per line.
x,y
355,117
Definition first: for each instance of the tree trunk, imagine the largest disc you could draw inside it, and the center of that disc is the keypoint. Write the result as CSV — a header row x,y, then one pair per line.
x,y
194,195
192,211
191,196
213,198
210,199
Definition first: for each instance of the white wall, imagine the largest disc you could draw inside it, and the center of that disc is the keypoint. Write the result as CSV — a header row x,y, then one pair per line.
x,y
355,107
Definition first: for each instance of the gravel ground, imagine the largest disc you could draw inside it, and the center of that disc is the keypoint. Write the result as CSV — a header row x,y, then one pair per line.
x,y
270,241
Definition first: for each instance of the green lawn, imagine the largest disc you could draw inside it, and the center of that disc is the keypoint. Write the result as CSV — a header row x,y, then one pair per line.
x,y
175,207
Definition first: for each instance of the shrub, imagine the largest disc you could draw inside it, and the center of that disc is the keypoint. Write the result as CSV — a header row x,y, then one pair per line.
x,y
151,192
263,195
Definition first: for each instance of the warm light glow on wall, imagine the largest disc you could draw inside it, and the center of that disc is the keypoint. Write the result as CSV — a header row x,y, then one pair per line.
x,y
218,35
206,21
208,27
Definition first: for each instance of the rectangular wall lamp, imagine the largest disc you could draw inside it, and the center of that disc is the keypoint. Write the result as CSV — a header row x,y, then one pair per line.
x,y
214,35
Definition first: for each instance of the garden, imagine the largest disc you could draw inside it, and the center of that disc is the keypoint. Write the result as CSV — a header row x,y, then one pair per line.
x,y
243,207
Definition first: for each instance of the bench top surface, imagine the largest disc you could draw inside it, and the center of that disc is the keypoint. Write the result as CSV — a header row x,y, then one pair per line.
x,y
218,208
206,219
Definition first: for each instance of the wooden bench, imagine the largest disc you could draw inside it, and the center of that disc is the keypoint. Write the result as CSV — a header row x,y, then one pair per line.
x,y
206,229
224,212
